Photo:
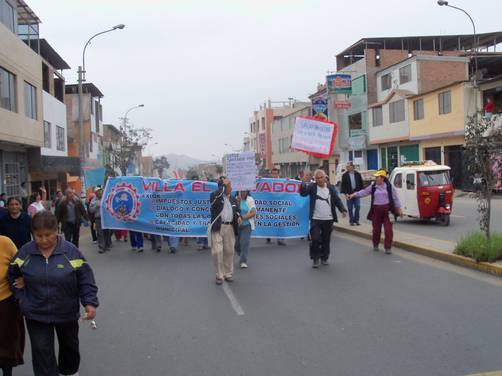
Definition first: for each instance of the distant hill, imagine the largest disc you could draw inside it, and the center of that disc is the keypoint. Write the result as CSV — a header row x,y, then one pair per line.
x,y
182,162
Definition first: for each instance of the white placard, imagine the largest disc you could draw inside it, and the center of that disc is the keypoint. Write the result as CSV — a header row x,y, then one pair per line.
x,y
241,170
312,136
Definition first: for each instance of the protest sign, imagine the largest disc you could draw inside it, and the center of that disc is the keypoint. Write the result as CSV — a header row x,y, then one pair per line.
x,y
314,136
241,170
182,207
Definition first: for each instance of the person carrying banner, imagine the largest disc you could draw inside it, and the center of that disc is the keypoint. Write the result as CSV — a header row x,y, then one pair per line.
x,y
225,219
104,235
324,200
248,212
384,200
352,182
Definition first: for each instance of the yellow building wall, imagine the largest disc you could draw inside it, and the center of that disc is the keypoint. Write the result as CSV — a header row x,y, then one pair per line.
x,y
433,122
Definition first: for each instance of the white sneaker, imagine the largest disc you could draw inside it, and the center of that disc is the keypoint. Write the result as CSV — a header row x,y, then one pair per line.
x,y
244,265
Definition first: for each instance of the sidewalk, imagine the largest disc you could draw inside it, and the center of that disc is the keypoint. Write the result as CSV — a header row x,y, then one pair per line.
x,y
426,246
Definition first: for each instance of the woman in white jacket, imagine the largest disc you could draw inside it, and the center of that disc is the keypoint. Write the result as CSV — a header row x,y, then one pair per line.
x,y
246,226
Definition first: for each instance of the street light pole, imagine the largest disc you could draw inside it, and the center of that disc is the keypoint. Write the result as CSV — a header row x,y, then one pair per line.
x,y
81,79
124,120
475,45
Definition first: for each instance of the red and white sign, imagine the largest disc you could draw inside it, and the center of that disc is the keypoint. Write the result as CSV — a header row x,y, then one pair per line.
x,y
342,104
314,136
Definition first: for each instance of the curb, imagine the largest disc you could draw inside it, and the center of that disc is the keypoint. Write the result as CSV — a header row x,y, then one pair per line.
x,y
465,262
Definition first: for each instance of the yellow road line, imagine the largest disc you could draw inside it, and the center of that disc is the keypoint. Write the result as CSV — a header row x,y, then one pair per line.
x,y
496,373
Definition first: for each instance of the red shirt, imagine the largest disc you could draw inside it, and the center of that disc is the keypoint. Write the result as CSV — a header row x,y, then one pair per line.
x,y
489,107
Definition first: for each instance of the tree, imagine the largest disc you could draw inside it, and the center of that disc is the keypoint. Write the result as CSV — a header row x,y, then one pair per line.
x,y
483,138
160,164
130,140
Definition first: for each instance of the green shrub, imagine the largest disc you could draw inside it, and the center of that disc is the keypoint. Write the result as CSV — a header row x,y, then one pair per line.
x,y
478,247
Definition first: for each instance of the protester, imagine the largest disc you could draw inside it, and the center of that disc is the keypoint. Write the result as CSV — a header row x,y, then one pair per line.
x,y
16,224
92,218
173,243
248,212
202,243
37,202
70,212
11,321
225,217
352,182
49,277
56,200
156,242
24,195
3,200
136,239
104,235
384,200
324,200
274,174
121,234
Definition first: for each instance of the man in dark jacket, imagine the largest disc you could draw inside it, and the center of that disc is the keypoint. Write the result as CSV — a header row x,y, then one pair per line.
x,y
352,182
70,212
324,200
225,219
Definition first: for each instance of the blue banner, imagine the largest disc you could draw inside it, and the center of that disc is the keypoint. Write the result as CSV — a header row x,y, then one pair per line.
x,y
94,177
182,208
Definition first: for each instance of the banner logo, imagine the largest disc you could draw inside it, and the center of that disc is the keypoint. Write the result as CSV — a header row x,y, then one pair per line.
x,y
123,202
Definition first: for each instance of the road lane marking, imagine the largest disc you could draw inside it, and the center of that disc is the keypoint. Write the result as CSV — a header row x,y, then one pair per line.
x,y
233,300
496,373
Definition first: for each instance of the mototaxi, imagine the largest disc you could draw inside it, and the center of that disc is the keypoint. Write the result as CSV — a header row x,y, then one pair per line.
x,y
425,191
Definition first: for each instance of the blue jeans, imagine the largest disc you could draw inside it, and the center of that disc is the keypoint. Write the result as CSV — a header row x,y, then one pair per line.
x,y
354,206
172,241
242,242
202,242
136,239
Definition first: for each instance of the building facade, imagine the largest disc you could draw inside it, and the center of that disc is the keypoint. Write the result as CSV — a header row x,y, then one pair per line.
x,y
21,119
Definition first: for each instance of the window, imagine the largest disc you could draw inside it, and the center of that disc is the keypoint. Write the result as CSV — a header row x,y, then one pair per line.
x,y
9,15
60,138
47,135
386,81
398,181
12,179
433,154
358,153
30,100
355,121
405,74
45,78
396,111
410,181
434,178
98,115
7,90
418,109
445,102
377,116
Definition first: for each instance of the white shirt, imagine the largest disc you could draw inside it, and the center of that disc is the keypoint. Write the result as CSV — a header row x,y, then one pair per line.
x,y
227,215
322,208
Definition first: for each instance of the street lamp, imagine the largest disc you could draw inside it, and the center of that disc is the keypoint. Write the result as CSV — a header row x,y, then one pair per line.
x,y
475,45
129,110
81,79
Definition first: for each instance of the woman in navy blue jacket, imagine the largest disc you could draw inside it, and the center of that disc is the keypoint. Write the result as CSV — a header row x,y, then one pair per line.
x,y
50,277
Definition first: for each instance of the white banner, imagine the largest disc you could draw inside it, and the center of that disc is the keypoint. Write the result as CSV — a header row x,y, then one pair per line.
x,y
241,170
313,136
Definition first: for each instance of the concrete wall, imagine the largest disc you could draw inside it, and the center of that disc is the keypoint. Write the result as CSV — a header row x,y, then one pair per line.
x,y
395,83
26,65
389,132
55,113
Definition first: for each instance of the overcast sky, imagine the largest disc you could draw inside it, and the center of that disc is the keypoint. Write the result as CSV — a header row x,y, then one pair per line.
x,y
202,66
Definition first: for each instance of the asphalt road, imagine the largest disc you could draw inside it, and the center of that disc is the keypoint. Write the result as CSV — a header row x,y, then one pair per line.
x,y
464,219
365,314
